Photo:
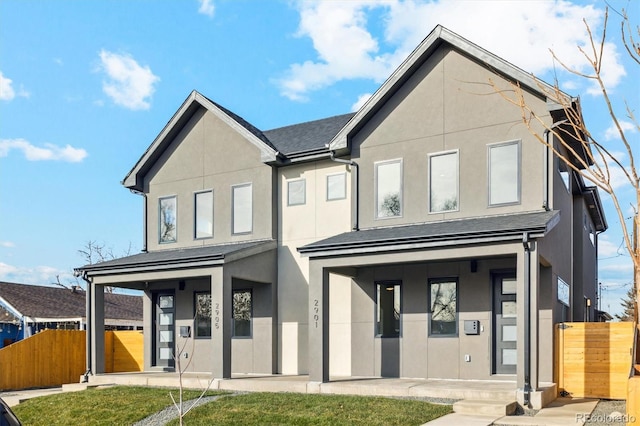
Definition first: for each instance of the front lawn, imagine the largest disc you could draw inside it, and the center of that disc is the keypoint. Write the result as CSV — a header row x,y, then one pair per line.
x,y
125,405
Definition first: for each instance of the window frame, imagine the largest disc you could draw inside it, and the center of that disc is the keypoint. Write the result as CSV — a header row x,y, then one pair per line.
x,y
564,172
233,320
490,147
344,186
195,214
376,166
444,280
234,207
378,325
430,157
196,316
175,219
304,192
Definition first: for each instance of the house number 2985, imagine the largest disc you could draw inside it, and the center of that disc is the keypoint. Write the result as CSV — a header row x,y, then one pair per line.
x,y
316,311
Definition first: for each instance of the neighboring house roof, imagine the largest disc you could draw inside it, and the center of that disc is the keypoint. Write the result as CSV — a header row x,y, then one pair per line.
x,y
189,107
305,139
179,258
51,304
436,234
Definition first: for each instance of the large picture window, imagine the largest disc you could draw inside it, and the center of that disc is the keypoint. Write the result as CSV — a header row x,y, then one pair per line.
x,y
443,182
242,313
202,314
504,173
242,202
203,202
443,307
388,182
167,212
388,309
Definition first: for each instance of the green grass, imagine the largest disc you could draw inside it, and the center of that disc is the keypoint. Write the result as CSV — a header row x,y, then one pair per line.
x,y
125,405
117,405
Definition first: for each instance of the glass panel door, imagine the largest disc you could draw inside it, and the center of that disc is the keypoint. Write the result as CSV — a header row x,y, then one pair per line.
x,y
504,324
164,325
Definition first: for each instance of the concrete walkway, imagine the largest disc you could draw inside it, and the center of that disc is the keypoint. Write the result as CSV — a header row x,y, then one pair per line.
x,y
562,411
13,398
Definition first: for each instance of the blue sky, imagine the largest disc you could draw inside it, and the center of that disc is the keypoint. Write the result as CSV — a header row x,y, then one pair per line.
x,y
85,87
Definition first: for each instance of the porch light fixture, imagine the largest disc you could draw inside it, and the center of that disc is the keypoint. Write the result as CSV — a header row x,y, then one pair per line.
x,y
181,284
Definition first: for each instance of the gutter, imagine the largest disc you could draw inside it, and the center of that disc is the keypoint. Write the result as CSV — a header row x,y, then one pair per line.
x,y
356,189
527,318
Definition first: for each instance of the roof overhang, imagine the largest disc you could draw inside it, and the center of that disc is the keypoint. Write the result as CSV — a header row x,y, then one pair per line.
x,y
439,36
187,258
426,236
195,101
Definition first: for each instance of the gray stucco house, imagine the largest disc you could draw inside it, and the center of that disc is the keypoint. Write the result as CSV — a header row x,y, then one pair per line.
x,y
427,235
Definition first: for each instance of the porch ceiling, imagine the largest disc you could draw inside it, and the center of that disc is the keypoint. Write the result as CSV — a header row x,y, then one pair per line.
x,y
436,234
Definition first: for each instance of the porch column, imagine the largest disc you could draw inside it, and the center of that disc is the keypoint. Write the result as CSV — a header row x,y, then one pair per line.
x,y
97,328
535,315
220,325
318,323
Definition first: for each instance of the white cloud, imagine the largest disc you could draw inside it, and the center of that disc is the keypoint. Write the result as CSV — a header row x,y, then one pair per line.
x,y
206,8
7,244
48,152
362,99
40,275
6,90
612,132
521,32
128,84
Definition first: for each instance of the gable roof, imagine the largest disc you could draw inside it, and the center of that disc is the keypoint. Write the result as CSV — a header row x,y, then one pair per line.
x,y
439,36
435,234
49,304
190,106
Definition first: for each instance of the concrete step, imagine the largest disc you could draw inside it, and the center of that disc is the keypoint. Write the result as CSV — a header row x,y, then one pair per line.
x,y
485,407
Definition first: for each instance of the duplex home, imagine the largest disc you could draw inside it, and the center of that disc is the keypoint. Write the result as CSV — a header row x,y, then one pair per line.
x,y
427,235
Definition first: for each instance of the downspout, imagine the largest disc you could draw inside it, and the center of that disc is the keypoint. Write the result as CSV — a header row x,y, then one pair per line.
x,y
547,191
527,318
144,218
88,325
356,189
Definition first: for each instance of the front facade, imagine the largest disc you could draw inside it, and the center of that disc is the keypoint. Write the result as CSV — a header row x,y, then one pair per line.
x,y
428,235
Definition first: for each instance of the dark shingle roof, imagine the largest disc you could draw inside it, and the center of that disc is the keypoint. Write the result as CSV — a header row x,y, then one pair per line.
x,y
309,136
505,226
175,256
53,302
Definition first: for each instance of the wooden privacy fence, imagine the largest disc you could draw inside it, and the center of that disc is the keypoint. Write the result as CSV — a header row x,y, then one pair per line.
x,y
55,357
593,359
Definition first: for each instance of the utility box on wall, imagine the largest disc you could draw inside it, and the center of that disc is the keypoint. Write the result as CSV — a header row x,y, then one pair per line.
x,y
471,327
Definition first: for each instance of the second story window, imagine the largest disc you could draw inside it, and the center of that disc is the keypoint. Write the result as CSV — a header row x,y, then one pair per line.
x,y
203,208
242,208
504,173
443,182
337,186
388,184
296,192
167,211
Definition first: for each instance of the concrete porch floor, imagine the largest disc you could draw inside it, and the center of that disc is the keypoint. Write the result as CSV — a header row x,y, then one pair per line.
x,y
373,386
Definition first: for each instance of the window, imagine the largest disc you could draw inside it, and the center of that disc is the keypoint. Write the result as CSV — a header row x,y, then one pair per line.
x,y
388,183
504,173
337,186
565,174
242,313
203,214
564,293
296,192
242,203
443,307
202,314
167,220
443,182
388,309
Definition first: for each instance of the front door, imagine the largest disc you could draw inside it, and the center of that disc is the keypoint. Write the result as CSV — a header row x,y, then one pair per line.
x,y
505,333
164,334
